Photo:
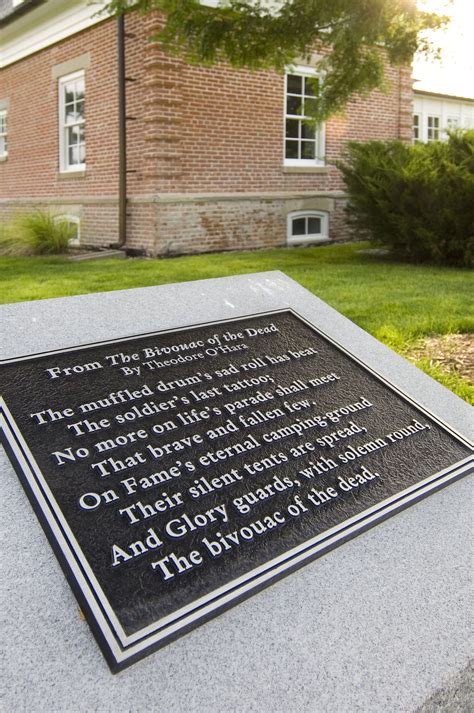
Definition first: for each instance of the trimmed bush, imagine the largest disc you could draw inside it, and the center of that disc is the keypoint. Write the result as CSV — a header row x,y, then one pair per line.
x,y
38,233
416,200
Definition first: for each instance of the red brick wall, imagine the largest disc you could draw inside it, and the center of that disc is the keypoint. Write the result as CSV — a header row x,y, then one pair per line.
x,y
221,129
32,168
194,130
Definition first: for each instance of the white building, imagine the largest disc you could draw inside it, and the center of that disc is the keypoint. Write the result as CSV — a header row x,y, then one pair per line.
x,y
434,113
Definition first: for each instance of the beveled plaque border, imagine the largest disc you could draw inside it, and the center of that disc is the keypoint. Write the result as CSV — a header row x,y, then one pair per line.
x,y
120,649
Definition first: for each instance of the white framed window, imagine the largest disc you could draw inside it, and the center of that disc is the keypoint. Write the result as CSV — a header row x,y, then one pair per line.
x,y
307,226
416,128
453,122
432,133
3,134
304,144
75,224
72,144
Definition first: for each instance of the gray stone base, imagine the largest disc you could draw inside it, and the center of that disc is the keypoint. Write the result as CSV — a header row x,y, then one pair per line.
x,y
379,624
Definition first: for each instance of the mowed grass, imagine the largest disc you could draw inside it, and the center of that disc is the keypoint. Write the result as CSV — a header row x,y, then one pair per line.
x,y
394,301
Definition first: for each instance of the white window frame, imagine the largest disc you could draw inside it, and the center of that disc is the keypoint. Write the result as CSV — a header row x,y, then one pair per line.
x,y
67,218
64,165
320,132
314,238
453,122
433,128
4,134
417,139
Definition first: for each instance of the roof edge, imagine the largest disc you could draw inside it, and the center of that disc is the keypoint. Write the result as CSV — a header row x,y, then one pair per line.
x,y
426,93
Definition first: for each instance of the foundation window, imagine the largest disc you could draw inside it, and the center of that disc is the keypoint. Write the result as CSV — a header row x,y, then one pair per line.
x,y
75,225
307,227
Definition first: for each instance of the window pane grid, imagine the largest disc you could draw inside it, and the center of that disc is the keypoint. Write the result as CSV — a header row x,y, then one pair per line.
x,y
73,122
308,226
416,127
3,133
433,128
300,138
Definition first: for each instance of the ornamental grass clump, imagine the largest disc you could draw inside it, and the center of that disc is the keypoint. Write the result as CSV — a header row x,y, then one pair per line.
x,y
416,200
38,233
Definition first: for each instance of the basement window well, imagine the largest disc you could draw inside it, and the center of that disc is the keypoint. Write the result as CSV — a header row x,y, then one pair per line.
x,y
74,224
307,227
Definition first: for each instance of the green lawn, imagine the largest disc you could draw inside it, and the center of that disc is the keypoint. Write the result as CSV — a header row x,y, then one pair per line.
x,y
395,302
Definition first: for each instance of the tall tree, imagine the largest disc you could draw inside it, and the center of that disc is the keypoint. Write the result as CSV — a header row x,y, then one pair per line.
x,y
350,37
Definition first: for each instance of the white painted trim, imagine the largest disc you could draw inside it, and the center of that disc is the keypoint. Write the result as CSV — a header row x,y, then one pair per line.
x,y
4,134
46,25
308,239
444,108
320,148
69,218
417,139
64,166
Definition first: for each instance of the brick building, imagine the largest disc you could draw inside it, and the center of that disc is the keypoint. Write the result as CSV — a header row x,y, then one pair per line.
x,y
216,158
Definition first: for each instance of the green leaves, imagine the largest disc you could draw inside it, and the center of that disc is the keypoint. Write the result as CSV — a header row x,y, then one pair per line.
x,y
418,200
350,37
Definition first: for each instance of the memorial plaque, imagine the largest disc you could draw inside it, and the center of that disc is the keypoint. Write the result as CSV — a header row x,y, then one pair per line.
x,y
177,472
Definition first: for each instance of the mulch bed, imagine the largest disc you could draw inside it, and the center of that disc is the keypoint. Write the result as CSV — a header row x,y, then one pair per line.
x,y
452,352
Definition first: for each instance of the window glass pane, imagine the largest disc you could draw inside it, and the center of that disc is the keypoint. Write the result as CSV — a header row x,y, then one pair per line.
x,y
79,89
307,132
307,149
80,109
314,226
3,145
70,114
291,149
73,135
82,153
73,155
309,84
294,84
74,228
3,123
309,106
292,128
69,94
298,226
416,126
293,105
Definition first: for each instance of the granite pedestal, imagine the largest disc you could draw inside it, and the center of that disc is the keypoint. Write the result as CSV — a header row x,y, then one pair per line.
x,y
381,623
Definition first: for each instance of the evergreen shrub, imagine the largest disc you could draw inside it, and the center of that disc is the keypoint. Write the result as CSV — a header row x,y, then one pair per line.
x,y
416,200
